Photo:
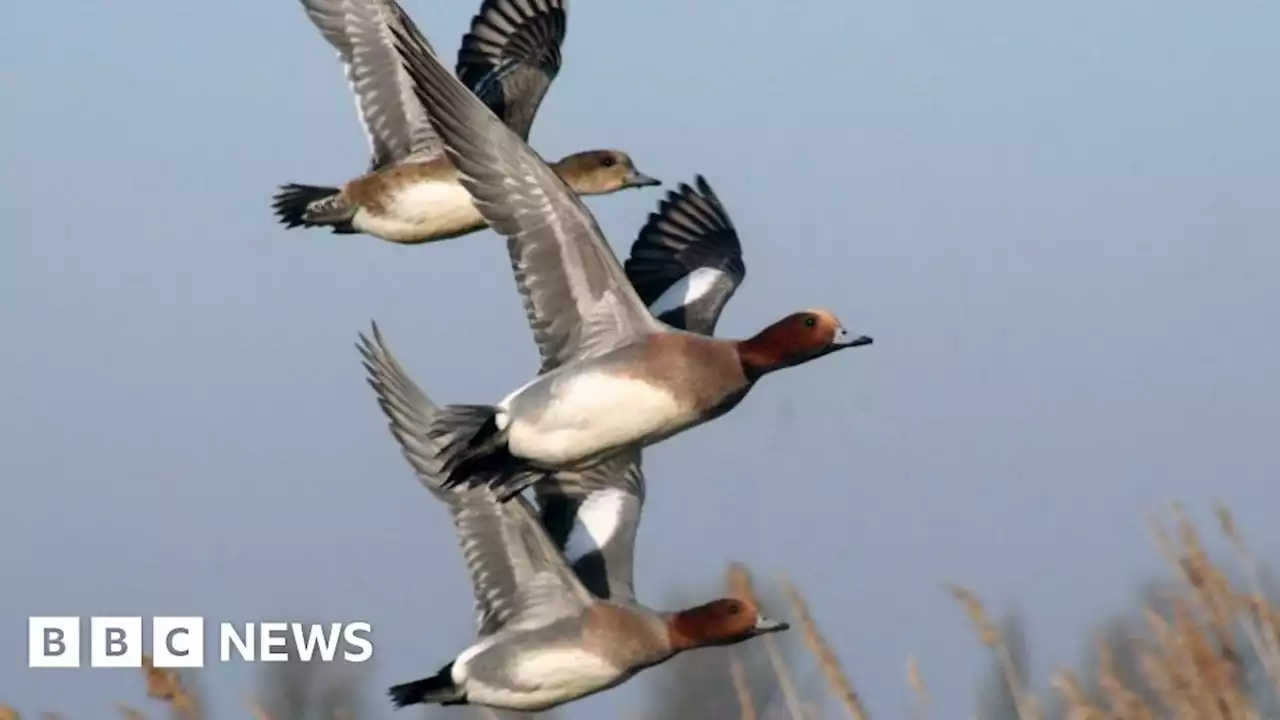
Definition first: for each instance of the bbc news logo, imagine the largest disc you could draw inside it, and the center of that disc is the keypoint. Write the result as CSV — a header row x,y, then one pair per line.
x,y
178,642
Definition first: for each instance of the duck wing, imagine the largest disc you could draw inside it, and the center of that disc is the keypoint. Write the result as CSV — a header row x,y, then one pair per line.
x,y
686,261
592,517
519,577
511,56
361,31
578,299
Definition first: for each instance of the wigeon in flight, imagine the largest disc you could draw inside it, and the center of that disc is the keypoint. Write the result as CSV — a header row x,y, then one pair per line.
x,y
615,379
685,263
545,638
411,193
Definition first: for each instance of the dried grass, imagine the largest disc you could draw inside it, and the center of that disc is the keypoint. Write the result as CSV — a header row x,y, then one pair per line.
x,y
1190,663
837,681
1207,648
167,686
739,584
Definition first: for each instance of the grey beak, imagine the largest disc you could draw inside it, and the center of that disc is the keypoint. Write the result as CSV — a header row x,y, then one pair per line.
x,y
766,625
639,179
844,338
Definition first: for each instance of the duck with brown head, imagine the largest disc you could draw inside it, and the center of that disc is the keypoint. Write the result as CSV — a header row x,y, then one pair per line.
x,y
545,638
599,172
720,622
411,192
614,379
795,339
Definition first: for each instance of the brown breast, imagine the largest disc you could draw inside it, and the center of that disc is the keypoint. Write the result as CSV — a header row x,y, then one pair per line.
x,y
374,190
626,638
701,372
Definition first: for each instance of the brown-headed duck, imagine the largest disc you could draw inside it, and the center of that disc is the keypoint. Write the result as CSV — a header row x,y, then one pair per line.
x,y
614,378
545,637
411,193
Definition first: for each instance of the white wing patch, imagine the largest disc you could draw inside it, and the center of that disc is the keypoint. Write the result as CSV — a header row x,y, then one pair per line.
x,y
597,521
688,290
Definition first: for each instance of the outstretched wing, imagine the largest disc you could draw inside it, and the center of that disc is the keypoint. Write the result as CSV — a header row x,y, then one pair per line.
x,y
517,573
394,120
576,295
687,261
512,55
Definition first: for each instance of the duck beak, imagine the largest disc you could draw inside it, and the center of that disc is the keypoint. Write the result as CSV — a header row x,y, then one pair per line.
x,y
767,625
637,179
845,339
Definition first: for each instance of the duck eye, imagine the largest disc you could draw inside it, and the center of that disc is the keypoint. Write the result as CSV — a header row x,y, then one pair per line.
x,y
810,321
734,608
609,161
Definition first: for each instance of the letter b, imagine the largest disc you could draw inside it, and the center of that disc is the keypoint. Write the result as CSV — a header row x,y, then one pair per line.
x,y
53,642
115,642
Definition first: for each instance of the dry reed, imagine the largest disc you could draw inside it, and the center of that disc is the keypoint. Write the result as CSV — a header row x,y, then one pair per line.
x,y
919,691
837,681
1189,662
741,688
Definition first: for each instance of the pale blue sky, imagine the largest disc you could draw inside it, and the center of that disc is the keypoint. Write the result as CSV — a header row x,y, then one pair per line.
x,y
1057,220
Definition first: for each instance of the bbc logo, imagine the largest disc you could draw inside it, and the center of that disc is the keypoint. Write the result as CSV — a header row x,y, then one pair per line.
x,y
178,642
54,642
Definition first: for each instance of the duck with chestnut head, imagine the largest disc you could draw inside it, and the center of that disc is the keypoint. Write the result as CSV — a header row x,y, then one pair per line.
x,y
544,638
614,378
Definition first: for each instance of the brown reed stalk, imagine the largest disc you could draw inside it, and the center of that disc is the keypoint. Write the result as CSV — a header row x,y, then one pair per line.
x,y
836,679
166,685
989,636
1122,701
741,688
915,681
1207,673
739,584
1190,665
1259,625
1079,706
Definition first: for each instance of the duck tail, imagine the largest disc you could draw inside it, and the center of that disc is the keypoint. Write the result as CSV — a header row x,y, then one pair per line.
x,y
312,206
474,452
436,690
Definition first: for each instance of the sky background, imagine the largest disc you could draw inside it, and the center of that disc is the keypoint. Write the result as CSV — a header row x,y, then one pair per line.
x,y
1058,221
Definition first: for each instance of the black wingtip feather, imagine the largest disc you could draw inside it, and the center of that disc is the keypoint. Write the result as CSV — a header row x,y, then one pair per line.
x,y
537,32
690,229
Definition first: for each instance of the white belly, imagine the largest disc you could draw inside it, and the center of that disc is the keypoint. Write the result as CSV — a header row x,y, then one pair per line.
x,y
591,416
422,211
540,679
